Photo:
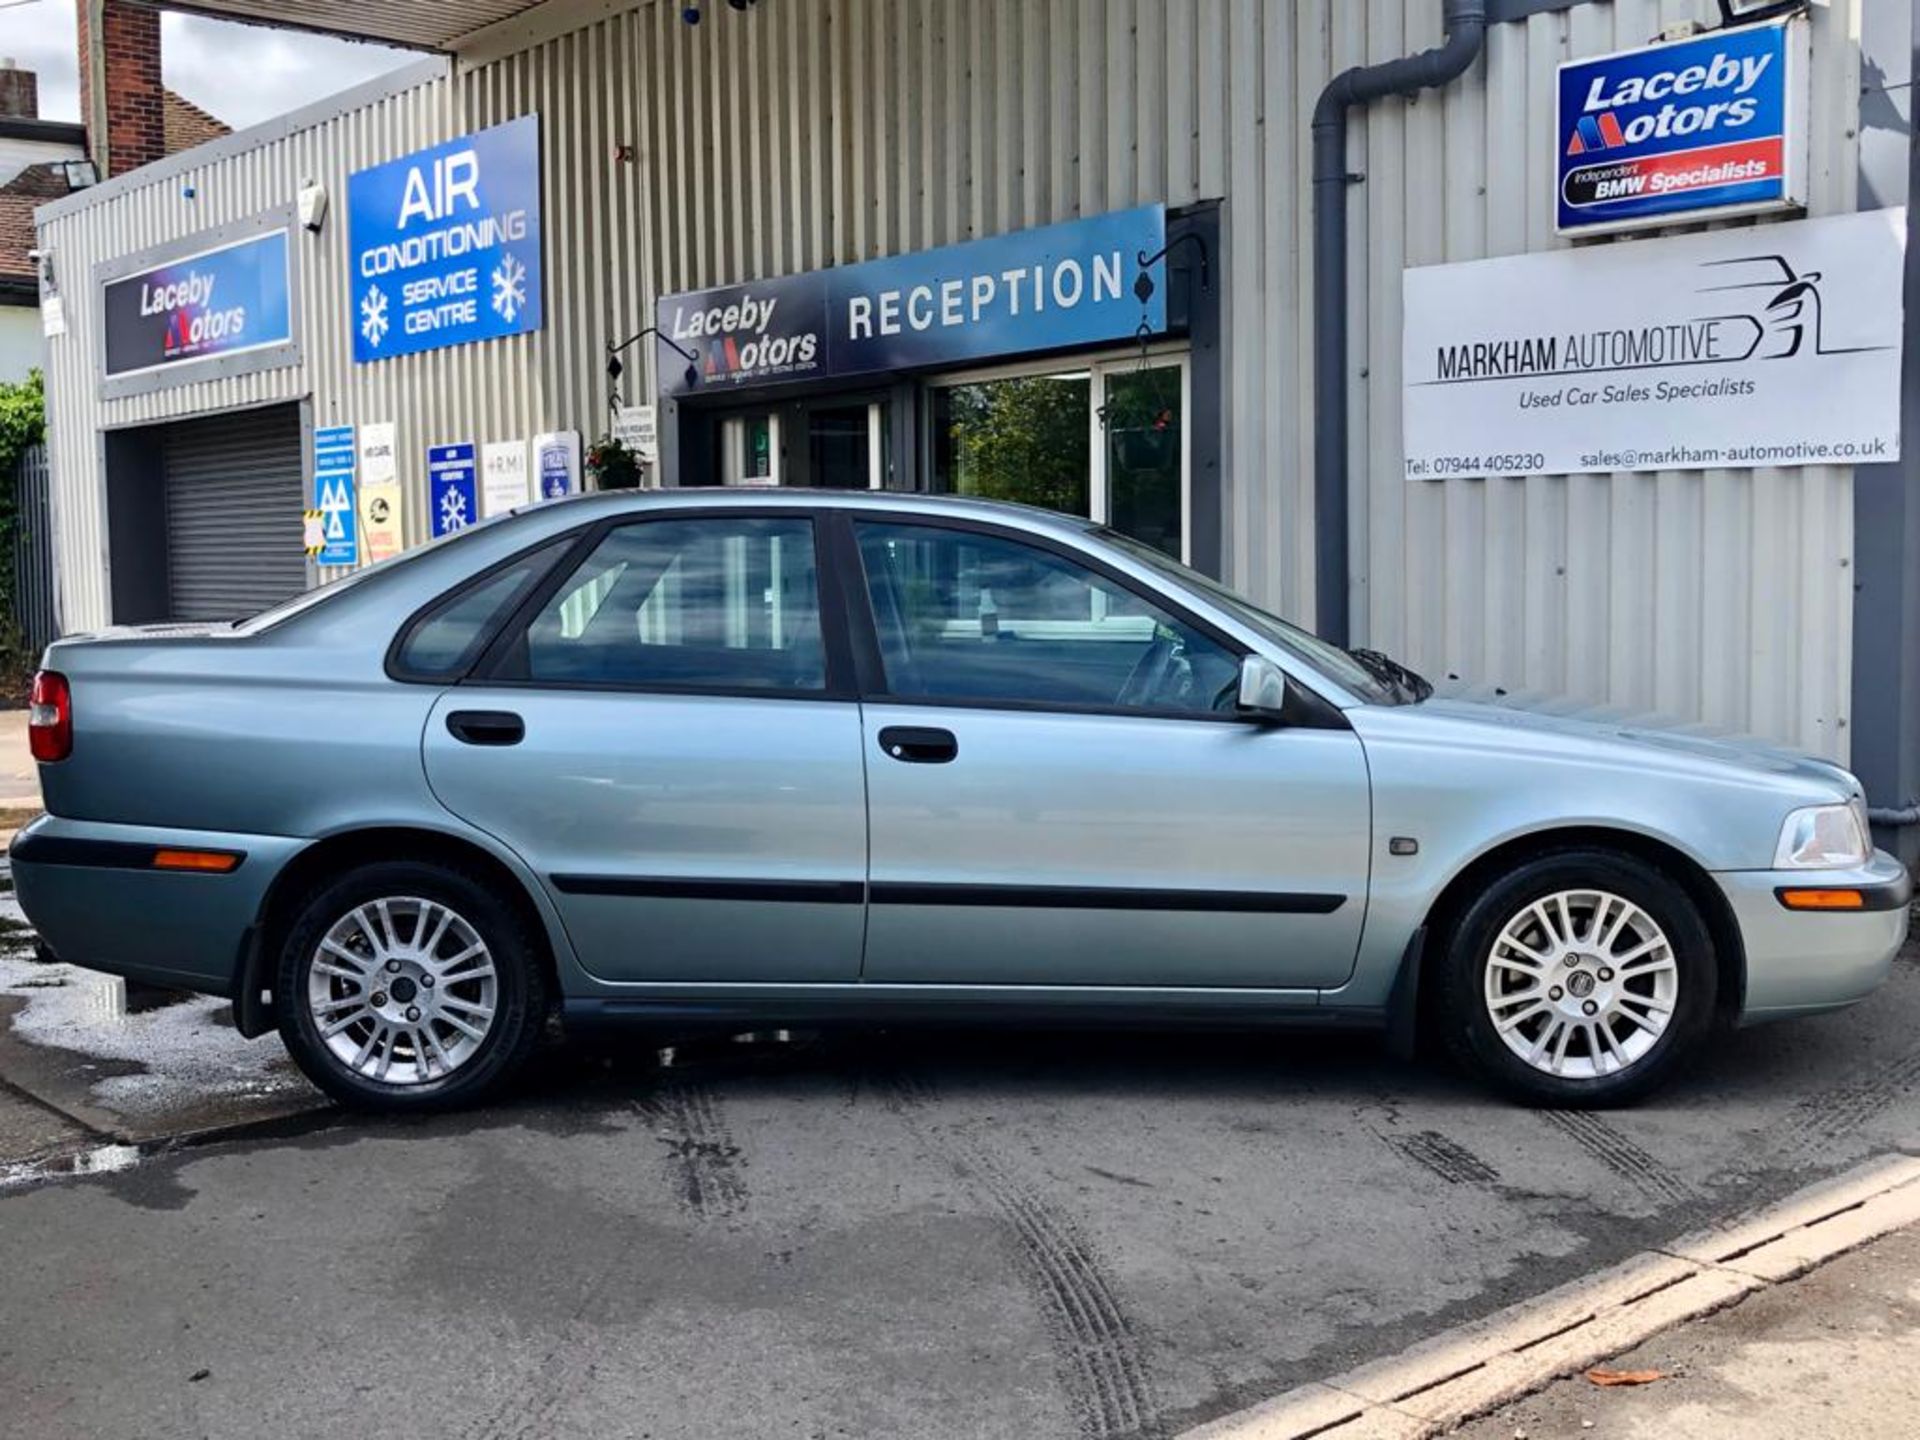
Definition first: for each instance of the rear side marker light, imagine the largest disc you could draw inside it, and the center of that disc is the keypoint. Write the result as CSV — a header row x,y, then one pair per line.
x,y
1823,900
204,862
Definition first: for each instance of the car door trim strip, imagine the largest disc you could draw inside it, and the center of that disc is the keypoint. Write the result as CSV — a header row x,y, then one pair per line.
x,y
1104,897
678,887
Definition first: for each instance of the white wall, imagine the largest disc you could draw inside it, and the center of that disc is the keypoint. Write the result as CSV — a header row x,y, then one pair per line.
x,y
19,341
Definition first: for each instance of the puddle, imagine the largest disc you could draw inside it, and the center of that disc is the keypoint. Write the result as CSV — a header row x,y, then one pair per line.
x,y
100,1160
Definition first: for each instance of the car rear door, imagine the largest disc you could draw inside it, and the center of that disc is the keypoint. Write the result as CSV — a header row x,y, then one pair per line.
x,y
667,735
1060,794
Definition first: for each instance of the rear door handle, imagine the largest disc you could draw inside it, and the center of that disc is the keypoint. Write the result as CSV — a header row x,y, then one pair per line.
x,y
916,745
486,727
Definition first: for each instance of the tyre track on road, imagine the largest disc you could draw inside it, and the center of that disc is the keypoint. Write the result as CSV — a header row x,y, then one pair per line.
x,y
1096,1343
1825,1118
1442,1156
702,1158
1620,1155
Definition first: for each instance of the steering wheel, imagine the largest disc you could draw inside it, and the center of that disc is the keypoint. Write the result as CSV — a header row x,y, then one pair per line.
x,y
1150,673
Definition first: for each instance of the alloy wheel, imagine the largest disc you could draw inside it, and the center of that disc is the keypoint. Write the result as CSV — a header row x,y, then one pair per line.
x,y
402,990
1581,984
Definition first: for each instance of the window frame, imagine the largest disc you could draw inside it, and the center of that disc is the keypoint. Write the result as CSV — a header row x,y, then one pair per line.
x,y
842,533
839,684
569,555
1100,369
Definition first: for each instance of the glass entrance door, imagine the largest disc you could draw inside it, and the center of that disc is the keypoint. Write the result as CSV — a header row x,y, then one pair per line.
x,y
833,443
1106,440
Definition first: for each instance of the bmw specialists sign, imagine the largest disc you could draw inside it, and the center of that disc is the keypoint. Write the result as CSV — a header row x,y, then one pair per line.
x,y
445,243
1709,126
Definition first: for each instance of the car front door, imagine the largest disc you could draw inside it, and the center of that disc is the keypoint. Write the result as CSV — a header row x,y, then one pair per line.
x,y
667,735
1060,793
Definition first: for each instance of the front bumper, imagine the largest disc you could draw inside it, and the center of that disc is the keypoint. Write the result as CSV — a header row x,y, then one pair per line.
x,y
88,891
1803,962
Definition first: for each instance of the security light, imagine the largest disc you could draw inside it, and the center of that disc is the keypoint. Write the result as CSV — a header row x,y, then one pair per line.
x,y
1747,12
80,174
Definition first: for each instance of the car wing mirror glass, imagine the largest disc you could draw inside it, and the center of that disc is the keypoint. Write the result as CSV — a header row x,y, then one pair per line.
x,y
1264,689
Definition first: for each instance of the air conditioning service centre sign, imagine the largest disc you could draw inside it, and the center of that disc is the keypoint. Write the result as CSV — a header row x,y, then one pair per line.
x,y
1709,126
445,243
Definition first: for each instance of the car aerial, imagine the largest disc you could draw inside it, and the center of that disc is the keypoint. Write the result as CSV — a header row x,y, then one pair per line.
x,y
742,758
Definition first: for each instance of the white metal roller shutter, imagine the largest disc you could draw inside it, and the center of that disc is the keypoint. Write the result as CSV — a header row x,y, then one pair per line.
x,y
234,498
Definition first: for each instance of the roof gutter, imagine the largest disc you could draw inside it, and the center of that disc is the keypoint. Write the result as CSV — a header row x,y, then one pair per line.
x,y
1466,31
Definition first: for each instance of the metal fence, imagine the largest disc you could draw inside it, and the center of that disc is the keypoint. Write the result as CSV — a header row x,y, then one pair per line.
x,y
33,551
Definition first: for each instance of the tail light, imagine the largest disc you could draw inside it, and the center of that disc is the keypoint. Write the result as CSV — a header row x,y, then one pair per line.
x,y
50,721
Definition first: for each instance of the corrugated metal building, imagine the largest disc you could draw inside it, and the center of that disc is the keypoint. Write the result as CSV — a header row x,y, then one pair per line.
x,y
804,134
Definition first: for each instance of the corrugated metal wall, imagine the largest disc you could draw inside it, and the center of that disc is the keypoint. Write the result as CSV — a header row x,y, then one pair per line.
x,y
817,132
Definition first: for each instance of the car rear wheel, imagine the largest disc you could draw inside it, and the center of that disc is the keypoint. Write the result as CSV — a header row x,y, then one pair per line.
x,y
1580,978
408,986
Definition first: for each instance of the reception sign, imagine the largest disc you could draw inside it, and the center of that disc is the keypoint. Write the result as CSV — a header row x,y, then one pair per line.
x,y
1770,345
1027,292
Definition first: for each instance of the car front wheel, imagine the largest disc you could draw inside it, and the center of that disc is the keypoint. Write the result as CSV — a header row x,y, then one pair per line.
x,y
408,986
1579,978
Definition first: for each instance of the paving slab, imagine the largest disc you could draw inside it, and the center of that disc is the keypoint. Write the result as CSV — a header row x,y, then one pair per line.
x,y
1833,1355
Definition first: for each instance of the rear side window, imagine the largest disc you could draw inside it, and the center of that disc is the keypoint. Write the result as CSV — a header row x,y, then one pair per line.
x,y
710,603
443,643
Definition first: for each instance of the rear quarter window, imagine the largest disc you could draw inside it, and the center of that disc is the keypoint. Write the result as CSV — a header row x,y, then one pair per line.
x,y
443,642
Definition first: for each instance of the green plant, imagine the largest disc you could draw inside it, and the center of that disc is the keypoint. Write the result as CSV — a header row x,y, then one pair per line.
x,y
612,465
23,424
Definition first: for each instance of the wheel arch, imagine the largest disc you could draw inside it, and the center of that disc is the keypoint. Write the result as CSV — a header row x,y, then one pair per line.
x,y
1730,960
346,850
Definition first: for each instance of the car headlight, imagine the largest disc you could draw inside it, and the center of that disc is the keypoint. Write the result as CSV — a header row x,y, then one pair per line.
x,y
1824,837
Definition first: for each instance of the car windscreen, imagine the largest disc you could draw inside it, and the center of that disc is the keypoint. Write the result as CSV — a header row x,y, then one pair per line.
x,y
1322,655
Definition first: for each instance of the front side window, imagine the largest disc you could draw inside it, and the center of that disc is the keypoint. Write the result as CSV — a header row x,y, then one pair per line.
x,y
702,603
972,617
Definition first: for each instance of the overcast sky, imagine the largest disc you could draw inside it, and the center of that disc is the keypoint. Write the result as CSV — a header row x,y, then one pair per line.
x,y
241,73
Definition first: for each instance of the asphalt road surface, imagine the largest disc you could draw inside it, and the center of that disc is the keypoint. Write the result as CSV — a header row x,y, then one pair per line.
x,y
954,1235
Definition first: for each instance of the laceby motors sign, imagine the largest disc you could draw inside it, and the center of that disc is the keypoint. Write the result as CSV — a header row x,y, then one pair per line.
x,y
1709,126
445,243
220,302
1758,346
1027,292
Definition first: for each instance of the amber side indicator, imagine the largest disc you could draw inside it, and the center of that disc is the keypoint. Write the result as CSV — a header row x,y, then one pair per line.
x,y
1823,900
210,862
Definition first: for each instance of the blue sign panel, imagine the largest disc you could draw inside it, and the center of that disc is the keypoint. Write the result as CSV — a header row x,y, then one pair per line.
x,y
1710,124
333,459
219,302
1034,290
445,243
452,491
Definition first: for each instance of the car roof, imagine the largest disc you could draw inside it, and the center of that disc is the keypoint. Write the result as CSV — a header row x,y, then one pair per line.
x,y
780,497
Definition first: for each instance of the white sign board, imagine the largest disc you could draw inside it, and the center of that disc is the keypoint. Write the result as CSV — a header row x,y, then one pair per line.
x,y
556,464
379,465
633,427
1766,345
503,476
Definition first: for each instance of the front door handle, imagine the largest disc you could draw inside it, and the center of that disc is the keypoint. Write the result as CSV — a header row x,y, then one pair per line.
x,y
486,727
917,745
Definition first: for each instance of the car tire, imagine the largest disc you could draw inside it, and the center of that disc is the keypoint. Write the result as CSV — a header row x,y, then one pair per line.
x,y
408,986
1593,945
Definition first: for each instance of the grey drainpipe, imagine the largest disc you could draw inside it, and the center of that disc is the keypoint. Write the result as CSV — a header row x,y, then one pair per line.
x,y
1466,29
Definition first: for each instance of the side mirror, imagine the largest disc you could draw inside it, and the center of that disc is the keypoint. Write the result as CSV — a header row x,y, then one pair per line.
x,y
1264,689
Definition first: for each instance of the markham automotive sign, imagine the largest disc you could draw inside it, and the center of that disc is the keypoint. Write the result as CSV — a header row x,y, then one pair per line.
x,y
1764,345
445,243
215,303
1033,290
1714,125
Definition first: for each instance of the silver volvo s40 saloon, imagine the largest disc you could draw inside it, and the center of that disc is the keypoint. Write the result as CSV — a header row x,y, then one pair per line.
x,y
742,758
